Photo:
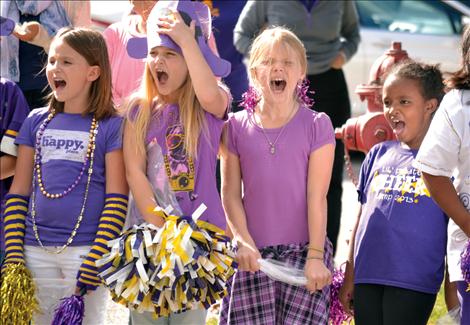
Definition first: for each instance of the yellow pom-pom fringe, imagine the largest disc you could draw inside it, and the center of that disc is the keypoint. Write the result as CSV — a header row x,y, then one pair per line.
x,y
17,295
183,265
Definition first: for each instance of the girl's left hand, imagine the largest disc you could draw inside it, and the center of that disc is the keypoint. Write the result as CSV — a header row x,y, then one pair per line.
x,y
317,274
174,26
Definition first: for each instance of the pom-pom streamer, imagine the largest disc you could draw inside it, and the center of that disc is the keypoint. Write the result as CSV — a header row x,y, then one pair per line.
x,y
70,311
337,313
183,265
17,295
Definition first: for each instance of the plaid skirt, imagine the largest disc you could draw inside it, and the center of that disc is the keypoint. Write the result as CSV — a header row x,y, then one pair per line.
x,y
257,299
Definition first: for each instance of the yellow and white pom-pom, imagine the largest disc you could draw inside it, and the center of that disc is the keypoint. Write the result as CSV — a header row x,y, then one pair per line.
x,y
183,265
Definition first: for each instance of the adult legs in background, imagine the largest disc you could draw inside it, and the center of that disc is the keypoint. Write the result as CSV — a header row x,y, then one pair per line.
x,y
331,97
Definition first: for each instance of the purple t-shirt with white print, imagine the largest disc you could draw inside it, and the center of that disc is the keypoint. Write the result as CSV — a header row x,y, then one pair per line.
x,y
63,149
402,233
275,185
191,178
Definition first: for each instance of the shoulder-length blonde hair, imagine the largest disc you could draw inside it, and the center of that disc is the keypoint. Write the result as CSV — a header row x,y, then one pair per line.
x,y
91,45
140,108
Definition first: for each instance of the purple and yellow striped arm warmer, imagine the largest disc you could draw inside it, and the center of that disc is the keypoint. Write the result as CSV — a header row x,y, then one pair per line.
x,y
110,226
14,219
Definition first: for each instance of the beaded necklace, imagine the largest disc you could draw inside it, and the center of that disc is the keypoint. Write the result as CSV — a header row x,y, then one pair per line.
x,y
37,178
38,156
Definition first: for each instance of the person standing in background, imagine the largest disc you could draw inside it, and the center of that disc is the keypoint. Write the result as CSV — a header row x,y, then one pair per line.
x,y
127,71
225,15
23,62
13,112
330,33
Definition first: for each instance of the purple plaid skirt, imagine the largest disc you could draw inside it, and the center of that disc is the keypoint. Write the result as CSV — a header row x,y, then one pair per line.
x,y
256,299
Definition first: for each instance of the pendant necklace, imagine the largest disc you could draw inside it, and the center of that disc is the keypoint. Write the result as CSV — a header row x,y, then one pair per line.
x,y
272,144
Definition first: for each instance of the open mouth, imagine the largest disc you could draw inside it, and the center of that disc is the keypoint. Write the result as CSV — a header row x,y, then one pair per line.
x,y
58,83
397,126
162,76
277,84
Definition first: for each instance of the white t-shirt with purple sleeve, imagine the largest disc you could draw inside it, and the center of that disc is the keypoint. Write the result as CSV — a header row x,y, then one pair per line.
x,y
63,149
275,185
445,151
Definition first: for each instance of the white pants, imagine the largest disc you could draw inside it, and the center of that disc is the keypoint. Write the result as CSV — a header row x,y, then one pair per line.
x,y
55,278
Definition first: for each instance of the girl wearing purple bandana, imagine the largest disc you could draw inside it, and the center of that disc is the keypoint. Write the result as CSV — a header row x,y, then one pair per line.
x,y
179,114
398,245
281,153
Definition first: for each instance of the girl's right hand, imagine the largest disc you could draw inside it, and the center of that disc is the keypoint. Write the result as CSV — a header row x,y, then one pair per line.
x,y
247,258
346,292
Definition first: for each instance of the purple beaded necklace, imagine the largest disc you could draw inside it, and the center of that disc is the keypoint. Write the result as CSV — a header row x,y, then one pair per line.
x,y
38,158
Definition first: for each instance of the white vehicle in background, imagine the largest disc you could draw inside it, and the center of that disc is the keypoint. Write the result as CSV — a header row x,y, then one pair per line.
x,y
430,31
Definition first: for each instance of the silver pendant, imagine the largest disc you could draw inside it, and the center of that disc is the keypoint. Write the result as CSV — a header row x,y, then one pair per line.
x,y
273,150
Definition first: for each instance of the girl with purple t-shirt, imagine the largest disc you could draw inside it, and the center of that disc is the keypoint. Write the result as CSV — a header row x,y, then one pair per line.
x,y
281,153
398,246
71,153
174,126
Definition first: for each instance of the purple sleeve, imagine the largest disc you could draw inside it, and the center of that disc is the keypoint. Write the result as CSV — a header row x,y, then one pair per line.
x,y
17,111
26,135
231,134
114,134
20,110
322,131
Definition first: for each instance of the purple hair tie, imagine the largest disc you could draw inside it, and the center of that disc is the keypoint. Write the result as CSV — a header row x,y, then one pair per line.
x,y
70,311
302,93
250,99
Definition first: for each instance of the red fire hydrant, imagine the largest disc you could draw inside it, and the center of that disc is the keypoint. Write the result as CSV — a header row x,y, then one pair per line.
x,y
363,132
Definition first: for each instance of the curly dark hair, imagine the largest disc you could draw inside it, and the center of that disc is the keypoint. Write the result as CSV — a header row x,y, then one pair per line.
x,y
429,77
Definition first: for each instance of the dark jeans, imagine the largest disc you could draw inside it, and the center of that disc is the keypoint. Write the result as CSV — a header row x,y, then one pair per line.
x,y
331,97
386,305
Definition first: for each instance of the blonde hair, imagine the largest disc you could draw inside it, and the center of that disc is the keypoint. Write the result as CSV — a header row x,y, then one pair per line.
x,y
192,117
91,45
264,43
